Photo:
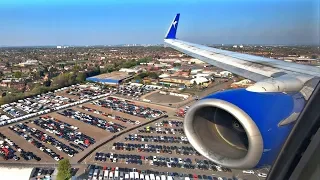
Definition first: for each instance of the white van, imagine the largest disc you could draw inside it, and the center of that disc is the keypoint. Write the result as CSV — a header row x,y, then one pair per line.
x,y
152,177
131,175
248,171
136,175
126,177
163,177
116,175
106,174
146,177
169,178
157,178
111,175
100,175
95,174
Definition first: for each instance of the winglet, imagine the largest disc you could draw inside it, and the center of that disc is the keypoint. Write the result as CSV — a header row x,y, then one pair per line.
x,y
171,34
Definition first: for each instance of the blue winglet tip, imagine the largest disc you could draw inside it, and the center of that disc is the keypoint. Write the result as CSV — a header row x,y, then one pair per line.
x,y
171,34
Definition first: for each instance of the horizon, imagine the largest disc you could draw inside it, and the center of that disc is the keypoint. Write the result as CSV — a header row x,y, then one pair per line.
x,y
59,23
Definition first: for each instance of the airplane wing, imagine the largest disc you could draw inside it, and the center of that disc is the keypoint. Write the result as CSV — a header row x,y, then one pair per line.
x,y
273,75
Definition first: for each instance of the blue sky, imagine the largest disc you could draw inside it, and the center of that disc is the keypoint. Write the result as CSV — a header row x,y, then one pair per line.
x,y
102,22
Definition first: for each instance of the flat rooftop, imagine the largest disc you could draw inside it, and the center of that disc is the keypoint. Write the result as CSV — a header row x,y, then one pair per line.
x,y
116,75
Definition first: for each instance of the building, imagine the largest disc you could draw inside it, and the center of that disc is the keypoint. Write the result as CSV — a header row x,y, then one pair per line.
x,y
113,78
22,173
223,74
199,80
176,81
29,63
130,71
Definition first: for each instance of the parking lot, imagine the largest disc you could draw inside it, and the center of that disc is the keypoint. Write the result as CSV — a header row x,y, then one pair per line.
x,y
83,91
133,92
158,147
129,107
162,146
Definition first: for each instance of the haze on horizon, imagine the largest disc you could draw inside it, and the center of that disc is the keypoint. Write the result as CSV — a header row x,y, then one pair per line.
x,y
98,22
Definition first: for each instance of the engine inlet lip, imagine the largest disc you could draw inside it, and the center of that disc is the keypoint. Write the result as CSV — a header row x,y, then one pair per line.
x,y
255,141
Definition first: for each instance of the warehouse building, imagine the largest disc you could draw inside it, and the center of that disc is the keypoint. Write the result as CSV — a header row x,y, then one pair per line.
x,y
113,78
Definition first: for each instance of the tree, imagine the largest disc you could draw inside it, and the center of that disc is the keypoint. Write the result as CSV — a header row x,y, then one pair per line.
x,y
314,56
143,75
81,77
64,170
153,75
194,83
17,74
47,83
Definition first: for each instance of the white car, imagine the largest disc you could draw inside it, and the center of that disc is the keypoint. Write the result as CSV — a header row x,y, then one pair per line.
x,y
264,175
168,165
248,171
219,168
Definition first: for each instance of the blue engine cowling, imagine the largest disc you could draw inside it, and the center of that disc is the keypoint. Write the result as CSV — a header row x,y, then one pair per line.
x,y
241,129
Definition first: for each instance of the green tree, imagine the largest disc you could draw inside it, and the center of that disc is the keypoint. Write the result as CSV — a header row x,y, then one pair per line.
x,y
176,64
143,75
17,74
194,83
64,170
314,56
81,77
153,75
47,83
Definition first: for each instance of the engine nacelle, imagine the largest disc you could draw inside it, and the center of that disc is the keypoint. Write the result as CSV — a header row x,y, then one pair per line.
x,y
241,129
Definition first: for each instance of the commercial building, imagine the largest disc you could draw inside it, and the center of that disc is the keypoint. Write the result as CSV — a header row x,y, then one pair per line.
x,y
22,173
131,71
113,78
176,81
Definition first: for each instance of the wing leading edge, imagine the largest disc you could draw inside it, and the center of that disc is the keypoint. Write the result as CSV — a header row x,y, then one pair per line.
x,y
249,66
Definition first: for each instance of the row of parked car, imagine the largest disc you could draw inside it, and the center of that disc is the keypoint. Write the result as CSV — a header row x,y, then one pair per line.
x,y
40,102
209,165
64,130
16,129
92,120
161,161
86,91
25,134
7,151
133,91
161,139
169,123
12,111
159,130
46,173
125,120
150,148
44,103
128,107
41,136
117,173
7,148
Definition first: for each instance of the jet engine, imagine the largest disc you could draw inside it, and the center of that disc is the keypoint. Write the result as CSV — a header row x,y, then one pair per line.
x,y
242,129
